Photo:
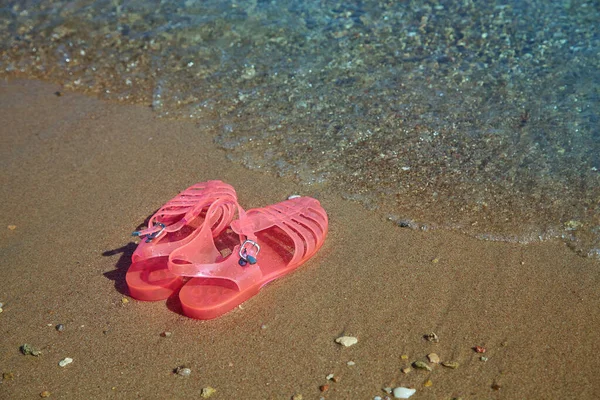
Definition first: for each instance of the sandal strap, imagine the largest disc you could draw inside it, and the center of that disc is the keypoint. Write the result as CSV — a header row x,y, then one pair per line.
x,y
186,206
305,224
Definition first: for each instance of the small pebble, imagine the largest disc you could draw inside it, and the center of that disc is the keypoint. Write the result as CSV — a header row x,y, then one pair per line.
x,y
207,392
421,365
350,363
166,334
428,383
12,227
406,370
483,358
297,397
433,358
1,309
65,361
183,371
403,393
60,327
28,350
404,357
124,300
329,377
346,341
45,394
324,388
450,364
479,349
432,337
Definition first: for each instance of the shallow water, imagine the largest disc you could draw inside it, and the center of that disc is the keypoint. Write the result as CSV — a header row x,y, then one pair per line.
x,y
477,116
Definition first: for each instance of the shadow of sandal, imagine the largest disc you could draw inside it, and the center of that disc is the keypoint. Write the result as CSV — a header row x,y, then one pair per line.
x,y
122,265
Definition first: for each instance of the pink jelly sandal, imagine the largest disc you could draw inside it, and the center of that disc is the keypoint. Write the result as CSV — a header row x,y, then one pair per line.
x,y
172,226
272,242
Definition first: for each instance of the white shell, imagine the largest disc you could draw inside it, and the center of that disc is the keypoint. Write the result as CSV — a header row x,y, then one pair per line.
x,y
185,372
64,362
403,393
346,341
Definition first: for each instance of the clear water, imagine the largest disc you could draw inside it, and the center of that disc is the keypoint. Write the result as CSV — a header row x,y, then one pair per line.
x,y
477,116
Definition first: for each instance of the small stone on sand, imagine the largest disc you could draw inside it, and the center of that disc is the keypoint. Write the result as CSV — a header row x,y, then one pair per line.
x,y
450,364
28,350
406,370
166,334
183,371
207,392
432,337
403,393
421,365
346,341
65,361
433,358
12,227
45,394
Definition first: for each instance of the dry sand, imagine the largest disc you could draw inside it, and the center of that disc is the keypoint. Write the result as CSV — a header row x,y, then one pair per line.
x,y
79,174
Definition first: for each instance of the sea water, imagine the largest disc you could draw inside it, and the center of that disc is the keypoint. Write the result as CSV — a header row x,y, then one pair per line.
x,y
478,116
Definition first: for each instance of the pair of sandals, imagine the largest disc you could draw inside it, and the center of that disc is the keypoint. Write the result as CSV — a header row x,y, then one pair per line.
x,y
195,245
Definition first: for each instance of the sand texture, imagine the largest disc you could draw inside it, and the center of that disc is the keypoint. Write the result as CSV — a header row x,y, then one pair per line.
x,y
79,175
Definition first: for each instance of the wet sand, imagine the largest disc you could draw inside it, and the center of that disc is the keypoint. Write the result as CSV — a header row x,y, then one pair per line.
x,y
79,174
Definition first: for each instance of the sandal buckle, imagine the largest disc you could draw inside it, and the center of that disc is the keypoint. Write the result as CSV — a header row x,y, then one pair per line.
x,y
152,235
243,253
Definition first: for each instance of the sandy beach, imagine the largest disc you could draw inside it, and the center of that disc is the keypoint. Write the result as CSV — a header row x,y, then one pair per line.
x,y
80,174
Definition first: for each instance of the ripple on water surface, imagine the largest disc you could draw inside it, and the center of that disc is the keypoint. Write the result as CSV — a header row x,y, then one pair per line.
x,y
478,116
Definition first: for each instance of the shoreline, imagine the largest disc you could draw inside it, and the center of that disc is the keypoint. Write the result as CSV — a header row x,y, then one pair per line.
x,y
81,174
